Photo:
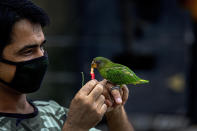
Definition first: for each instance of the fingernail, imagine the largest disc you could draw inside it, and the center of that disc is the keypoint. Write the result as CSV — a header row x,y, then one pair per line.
x,y
119,100
94,81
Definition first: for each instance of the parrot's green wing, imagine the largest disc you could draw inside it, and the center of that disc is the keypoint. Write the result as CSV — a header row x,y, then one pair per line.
x,y
119,74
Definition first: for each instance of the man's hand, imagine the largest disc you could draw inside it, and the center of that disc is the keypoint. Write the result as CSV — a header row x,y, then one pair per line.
x,y
87,108
116,97
117,118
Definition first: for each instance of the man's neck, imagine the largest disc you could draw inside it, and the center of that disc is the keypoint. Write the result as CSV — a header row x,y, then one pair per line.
x,y
13,102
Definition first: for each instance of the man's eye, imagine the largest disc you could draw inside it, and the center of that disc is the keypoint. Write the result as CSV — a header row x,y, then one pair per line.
x,y
28,52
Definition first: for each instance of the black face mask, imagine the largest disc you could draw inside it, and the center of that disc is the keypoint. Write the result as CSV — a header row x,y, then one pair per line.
x,y
29,74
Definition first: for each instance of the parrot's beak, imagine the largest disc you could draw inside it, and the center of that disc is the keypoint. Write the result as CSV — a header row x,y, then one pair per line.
x,y
93,64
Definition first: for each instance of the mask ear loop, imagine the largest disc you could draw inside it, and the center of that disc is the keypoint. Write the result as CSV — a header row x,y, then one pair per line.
x,y
8,62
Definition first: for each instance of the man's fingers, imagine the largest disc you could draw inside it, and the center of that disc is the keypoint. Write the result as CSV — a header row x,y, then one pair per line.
x,y
125,93
108,100
103,82
109,103
121,91
100,101
109,85
109,109
117,97
103,109
96,92
88,87
114,93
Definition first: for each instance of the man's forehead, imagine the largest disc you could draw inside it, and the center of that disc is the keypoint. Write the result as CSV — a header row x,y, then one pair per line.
x,y
25,33
25,26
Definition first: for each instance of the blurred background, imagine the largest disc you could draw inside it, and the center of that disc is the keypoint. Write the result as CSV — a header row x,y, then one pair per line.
x,y
155,38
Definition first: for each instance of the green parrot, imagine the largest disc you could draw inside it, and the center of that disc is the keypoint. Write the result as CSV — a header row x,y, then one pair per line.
x,y
115,73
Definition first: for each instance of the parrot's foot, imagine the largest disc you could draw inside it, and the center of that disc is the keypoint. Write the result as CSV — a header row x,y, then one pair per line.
x,y
115,88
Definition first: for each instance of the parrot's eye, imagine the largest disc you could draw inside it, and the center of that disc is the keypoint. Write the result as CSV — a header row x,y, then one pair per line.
x,y
98,62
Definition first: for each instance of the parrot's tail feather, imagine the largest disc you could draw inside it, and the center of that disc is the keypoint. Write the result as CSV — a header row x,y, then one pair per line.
x,y
144,81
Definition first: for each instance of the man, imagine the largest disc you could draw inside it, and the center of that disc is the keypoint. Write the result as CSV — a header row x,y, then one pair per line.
x,y
23,62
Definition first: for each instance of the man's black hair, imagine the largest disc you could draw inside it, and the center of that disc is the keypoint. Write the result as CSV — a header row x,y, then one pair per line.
x,y
12,11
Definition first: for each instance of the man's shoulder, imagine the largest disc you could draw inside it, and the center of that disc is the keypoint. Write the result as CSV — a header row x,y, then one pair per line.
x,y
45,104
50,108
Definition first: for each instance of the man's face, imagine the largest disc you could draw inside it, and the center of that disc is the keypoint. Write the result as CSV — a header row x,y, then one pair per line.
x,y
27,43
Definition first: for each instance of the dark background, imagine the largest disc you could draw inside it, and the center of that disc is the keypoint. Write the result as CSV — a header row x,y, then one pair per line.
x,y
154,38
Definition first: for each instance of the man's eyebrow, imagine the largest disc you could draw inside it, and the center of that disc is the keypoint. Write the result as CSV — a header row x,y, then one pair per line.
x,y
31,46
43,42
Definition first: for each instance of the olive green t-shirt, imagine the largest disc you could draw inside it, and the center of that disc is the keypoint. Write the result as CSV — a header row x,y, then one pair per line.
x,y
47,116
